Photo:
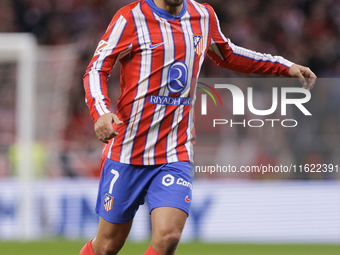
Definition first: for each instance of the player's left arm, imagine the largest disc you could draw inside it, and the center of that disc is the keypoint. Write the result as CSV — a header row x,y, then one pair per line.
x,y
305,75
228,55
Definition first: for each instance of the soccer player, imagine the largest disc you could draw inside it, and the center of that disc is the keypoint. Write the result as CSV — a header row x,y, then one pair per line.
x,y
149,141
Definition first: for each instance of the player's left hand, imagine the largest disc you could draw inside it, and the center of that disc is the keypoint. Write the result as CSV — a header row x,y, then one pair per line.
x,y
305,75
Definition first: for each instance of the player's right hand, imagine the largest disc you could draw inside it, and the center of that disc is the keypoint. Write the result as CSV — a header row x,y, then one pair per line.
x,y
103,127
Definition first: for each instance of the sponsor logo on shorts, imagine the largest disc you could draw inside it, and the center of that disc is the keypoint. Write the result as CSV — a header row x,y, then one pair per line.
x,y
187,199
108,202
184,183
168,180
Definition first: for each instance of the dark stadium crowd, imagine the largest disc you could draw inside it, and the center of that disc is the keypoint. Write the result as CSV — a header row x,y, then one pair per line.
x,y
304,31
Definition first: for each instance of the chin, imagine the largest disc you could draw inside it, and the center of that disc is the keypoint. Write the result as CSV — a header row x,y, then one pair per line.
x,y
173,2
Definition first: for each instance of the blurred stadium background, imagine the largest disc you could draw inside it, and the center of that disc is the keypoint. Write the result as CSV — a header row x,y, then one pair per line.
x,y
56,201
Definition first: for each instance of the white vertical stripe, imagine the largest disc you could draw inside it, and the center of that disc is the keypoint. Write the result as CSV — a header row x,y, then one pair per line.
x,y
110,149
94,77
142,87
149,152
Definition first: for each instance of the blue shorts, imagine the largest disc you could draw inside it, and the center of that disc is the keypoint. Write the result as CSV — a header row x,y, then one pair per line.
x,y
123,188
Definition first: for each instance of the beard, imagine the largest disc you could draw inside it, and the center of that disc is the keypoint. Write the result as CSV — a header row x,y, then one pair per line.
x,y
173,3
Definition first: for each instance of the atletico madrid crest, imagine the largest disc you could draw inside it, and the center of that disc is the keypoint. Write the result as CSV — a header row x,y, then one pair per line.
x,y
108,202
198,44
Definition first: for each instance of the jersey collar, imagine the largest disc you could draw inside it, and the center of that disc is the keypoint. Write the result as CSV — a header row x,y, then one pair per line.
x,y
163,13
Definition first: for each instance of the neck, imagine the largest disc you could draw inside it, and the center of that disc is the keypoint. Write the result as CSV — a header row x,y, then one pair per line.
x,y
173,9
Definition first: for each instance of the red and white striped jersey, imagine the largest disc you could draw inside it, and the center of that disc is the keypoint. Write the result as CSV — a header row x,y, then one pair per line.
x,y
161,57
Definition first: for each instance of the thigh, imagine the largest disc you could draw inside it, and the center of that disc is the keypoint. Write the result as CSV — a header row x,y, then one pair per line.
x,y
172,187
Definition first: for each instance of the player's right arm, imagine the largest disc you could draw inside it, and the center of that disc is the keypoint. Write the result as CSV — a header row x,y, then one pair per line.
x,y
114,45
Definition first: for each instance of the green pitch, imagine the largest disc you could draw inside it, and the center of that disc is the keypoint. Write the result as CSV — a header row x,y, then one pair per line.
x,y
65,247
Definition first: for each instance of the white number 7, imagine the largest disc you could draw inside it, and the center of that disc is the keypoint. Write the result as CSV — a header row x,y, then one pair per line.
x,y
114,179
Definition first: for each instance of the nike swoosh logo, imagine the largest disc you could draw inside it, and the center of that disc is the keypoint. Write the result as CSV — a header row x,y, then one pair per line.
x,y
150,46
